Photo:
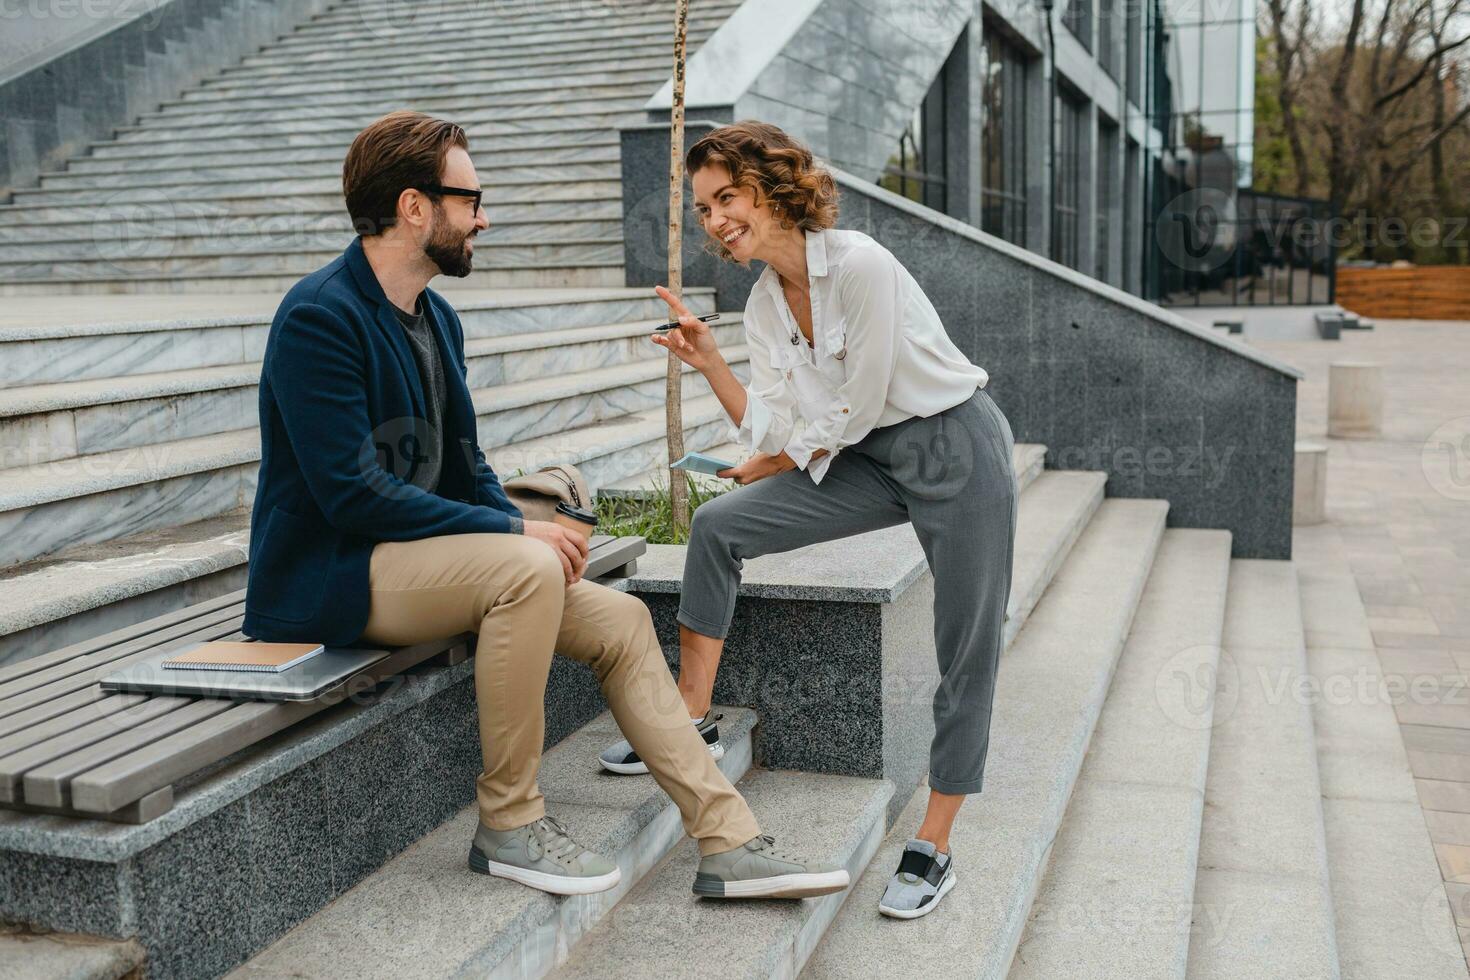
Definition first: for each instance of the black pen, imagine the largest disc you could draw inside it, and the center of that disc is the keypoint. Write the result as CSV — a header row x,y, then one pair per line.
x,y
703,319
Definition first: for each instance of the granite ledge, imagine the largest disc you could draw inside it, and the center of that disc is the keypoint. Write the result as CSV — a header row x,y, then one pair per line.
x,y
877,567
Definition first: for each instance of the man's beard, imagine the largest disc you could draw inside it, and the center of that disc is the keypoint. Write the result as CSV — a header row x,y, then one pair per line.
x,y
446,248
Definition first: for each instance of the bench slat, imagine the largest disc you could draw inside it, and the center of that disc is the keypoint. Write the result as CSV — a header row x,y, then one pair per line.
x,y
102,665
118,637
50,708
14,766
69,721
49,785
127,778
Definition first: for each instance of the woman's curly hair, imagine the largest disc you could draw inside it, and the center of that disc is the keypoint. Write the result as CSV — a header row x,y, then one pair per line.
x,y
776,167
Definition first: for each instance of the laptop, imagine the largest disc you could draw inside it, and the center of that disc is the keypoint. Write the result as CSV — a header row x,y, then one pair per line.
x,y
306,681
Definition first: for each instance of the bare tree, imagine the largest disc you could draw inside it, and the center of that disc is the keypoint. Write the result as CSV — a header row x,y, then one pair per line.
x,y
673,388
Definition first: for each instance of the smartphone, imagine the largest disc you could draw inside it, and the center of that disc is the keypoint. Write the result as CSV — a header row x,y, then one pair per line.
x,y
700,463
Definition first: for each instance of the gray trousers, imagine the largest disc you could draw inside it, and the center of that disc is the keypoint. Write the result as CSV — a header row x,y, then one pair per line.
x,y
951,475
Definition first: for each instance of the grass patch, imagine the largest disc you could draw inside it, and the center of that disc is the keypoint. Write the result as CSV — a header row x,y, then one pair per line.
x,y
651,515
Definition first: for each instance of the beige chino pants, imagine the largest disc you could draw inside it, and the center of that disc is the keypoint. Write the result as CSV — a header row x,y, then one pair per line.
x,y
511,590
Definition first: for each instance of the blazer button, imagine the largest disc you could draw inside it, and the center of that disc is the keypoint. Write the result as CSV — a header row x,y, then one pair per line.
x,y
844,411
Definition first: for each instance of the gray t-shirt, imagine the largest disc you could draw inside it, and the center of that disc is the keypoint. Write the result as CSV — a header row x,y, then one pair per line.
x,y
431,376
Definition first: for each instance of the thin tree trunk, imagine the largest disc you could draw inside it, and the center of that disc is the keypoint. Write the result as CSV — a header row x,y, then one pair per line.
x,y
674,417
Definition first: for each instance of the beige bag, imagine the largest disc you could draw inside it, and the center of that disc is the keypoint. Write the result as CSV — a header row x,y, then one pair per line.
x,y
538,494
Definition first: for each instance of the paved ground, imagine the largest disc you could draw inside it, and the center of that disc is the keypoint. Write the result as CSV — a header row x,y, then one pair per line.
x,y
1400,505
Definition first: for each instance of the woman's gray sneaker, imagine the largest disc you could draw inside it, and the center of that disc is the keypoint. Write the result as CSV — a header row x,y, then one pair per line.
x,y
621,759
543,855
924,876
760,869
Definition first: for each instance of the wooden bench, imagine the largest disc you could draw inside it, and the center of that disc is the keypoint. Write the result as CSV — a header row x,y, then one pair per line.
x,y
66,747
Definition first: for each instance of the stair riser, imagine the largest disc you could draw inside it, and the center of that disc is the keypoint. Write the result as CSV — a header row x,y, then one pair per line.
x,y
573,58
299,178
327,91
484,139
409,20
31,532
489,257
580,278
167,239
522,202
371,106
47,360
48,436
496,32
309,161
558,415
44,437
84,358
488,41
472,83
608,462
544,362
611,114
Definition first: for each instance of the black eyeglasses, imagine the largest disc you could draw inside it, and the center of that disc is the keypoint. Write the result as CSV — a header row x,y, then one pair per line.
x,y
455,192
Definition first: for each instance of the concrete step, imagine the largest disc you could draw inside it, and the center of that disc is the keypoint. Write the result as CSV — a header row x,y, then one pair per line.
x,y
1262,895
660,929
295,179
618,448
254,207
451,14
218,283
39,956
1391,910
601,150
607,114
572,58
546,406
486,37
159,240
502,259
43,342
483,139
464,924
508,29
487,79
48,507
507,78
591,98
91,590
1050,689
1148,755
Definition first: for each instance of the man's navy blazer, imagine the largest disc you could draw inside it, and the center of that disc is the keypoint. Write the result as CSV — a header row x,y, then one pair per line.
x,y
341,402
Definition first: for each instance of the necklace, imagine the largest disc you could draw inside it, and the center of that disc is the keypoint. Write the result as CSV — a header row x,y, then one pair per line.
x,y
804,293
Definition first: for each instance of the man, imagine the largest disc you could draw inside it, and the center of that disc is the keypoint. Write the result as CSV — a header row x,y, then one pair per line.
x,y
378,520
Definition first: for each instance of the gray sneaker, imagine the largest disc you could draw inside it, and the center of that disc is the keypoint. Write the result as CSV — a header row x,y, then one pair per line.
x,y
924,876
760,869
541,854
621,759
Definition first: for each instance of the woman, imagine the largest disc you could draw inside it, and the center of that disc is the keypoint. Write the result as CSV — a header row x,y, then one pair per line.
x,y
897,427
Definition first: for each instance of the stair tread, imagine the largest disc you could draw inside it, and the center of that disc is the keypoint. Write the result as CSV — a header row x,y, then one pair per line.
x,y
1148,754
87,577
1262,852
1392,914
661,929
518,394
1049,690
464,922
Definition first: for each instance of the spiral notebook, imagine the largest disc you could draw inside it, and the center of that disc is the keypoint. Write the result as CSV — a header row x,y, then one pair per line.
x,y
238,655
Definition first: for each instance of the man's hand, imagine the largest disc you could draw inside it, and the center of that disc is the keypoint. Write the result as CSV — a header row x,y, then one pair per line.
x,y
758,467
569,546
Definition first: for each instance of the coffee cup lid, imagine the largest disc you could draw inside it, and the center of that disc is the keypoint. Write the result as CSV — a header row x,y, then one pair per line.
x,y
576,513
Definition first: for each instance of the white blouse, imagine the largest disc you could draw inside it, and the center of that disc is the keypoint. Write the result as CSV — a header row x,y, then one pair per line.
x,y
881,354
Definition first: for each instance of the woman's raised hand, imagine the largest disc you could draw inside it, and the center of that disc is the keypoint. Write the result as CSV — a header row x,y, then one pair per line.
x,y
692,341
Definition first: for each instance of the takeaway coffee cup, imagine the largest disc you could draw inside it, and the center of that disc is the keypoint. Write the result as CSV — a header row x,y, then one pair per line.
x,y
578,519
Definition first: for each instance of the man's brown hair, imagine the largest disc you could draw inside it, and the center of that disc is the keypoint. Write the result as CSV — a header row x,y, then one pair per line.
x,y
402,150
779,169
